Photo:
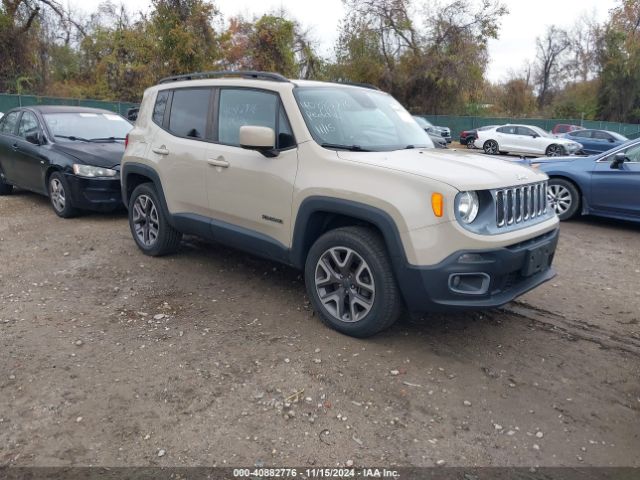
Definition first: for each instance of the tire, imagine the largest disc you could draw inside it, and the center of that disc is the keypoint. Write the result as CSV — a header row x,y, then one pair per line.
x,y
491,147
347,264
563,197
555,150
60,196
5,188
470,141
149,225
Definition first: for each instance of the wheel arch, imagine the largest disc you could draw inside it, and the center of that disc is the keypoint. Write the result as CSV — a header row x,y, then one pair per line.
x,y
47,176
583,207
134,174
317,215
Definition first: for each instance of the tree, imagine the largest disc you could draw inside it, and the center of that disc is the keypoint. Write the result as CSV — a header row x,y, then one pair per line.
x,y
549,57
619,60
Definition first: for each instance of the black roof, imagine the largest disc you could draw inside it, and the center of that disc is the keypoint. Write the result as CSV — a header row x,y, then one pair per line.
x,y
66,109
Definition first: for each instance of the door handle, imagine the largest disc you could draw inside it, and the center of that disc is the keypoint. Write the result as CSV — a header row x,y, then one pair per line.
x,y
218,162
160,151
15,147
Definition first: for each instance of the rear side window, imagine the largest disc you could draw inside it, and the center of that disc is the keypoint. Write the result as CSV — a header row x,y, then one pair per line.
x,y
160,107
240,107
28,125
8,122
189,112
602,135
581,133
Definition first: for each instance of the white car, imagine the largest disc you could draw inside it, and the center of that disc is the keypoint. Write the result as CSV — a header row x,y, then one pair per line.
x,y
524,139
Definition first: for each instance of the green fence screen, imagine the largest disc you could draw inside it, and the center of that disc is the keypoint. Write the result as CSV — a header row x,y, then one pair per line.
x,y
7,102
457,124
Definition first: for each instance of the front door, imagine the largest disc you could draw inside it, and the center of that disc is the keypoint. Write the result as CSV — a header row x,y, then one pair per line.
x,y
615,190
30,163
247,189
8,145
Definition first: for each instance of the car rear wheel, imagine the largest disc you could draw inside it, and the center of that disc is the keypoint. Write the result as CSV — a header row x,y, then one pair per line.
x,y
149,225
563,197
60,196
555,150
5,188
490,147
350,282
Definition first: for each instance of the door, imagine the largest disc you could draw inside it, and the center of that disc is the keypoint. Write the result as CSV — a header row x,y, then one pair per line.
x,y
602,141
30,163
8,127
529,141
583,137
246,188
178,148
615,191
505,136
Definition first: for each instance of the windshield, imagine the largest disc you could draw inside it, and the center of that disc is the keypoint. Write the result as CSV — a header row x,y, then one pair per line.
x,y
358,119
422,122
539,131
87,126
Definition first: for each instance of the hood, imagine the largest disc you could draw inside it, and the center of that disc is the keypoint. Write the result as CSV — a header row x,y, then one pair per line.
x,y
457,168
107,154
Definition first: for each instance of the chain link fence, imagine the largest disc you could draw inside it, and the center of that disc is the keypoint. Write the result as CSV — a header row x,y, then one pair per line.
x,y
8,101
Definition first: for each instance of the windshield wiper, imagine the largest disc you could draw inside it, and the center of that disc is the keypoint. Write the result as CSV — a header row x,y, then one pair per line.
x,y
107,139
73,138
351,148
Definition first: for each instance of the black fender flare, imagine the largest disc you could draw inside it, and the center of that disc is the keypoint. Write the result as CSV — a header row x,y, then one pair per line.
x,y
303,238
145,171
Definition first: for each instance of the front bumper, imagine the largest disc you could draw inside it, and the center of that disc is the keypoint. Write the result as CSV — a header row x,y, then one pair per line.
x,y
484,279
98,194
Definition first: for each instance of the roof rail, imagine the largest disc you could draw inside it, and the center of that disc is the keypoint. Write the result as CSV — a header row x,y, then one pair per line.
x,y
358,84
276,77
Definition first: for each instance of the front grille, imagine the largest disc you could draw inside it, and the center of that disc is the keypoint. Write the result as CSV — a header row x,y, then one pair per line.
x,y
521,204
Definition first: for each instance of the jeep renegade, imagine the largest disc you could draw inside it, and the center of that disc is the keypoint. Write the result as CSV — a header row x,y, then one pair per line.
x,y
337,180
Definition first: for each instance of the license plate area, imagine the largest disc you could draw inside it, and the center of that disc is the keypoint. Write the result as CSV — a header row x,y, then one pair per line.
x,y
537,260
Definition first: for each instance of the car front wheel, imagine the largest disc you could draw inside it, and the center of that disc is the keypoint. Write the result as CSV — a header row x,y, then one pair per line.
x,y
60,196
470,142
563,197
350,282
149,225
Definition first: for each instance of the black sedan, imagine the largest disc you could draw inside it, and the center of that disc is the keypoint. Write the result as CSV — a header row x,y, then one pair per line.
x,y
70,154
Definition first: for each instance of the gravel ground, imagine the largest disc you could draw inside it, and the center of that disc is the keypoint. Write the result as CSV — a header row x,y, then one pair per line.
x,y
213,357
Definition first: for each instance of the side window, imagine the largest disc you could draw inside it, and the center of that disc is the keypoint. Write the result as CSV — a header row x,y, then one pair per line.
x,y
189,112
601,135
508,130
633,153
8,122
28,125
240,107
525,131
160,107
581,133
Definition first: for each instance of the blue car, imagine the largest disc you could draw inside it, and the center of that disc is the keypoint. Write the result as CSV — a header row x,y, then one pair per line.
x,y
596,141
607,185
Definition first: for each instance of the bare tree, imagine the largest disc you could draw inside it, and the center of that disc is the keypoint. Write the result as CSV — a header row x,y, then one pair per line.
x,y
551,47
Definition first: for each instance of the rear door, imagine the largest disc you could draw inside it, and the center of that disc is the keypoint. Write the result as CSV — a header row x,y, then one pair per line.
x,y
178,148
8,145
29,159
616,191
505,136
583,137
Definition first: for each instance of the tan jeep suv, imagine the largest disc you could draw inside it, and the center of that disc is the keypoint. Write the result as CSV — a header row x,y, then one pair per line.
x,y
340,181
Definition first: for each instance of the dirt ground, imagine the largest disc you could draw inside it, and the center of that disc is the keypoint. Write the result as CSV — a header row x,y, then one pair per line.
x,y
213,357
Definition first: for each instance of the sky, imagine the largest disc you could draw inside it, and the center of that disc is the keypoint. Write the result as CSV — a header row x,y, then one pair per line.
x,y
515,46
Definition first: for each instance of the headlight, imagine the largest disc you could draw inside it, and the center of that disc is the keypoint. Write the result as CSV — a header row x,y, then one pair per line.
x,y
91,171
468,206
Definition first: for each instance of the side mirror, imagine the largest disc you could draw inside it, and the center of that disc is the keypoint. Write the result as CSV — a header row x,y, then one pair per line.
x,y
618,160
611,140
261,139
34,138
535,135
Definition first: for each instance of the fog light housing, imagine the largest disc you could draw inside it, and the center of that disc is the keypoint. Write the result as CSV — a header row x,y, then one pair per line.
x,y
476,283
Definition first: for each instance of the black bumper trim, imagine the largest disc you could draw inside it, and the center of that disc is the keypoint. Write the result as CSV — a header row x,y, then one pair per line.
x,y
98,194
428,289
